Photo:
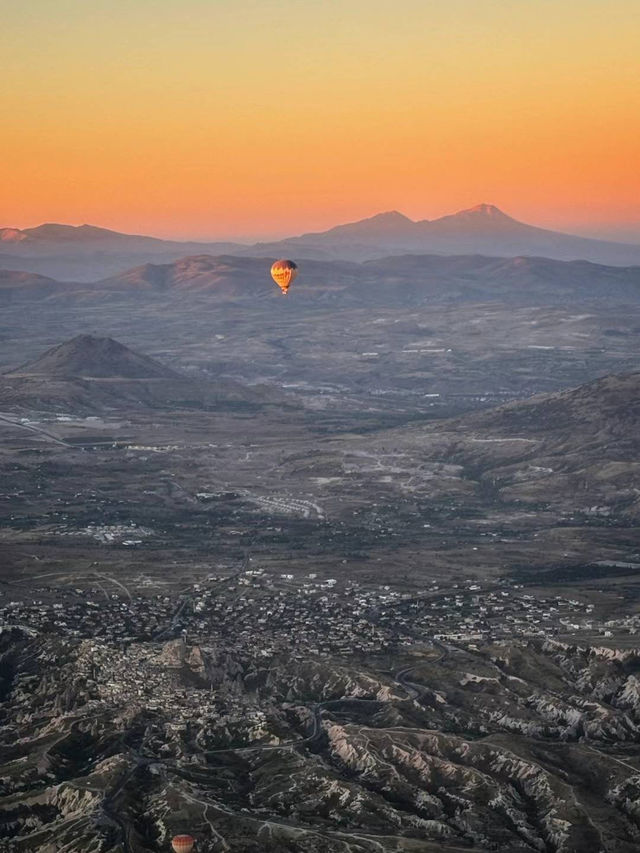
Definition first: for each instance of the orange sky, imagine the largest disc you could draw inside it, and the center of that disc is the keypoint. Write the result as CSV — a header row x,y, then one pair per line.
x,y
211,118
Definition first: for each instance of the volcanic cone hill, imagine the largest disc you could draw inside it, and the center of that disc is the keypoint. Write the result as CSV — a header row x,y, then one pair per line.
x,y
90,373
104,358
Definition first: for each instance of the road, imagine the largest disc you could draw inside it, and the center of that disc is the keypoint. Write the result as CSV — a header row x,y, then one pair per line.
x,y
36,430
416,690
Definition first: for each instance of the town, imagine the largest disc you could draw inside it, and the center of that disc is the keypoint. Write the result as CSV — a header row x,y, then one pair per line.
x,y
307,615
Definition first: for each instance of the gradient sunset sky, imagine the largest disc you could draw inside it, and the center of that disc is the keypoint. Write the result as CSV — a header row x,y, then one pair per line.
x,y
211,118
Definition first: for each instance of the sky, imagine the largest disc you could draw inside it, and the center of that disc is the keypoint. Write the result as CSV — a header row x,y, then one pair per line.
x,y
263,118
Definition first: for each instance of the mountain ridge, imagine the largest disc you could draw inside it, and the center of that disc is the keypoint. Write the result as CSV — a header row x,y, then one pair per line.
x,y
482,229
469,229
404,279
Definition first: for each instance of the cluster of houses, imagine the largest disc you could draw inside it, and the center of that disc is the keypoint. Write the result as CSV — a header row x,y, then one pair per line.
x,y
191,657
304,614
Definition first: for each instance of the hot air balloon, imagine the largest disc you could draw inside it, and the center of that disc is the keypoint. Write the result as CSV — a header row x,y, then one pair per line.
x,y
283,273
183,843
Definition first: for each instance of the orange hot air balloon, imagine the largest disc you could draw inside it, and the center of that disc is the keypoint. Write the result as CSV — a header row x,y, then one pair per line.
x,y
283,273
183,843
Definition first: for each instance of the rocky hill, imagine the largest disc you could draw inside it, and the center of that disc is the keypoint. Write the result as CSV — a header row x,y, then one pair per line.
x,y
21,285
575,450
606,412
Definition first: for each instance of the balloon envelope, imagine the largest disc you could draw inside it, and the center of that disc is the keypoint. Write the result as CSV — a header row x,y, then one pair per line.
x,y
283,273
183,843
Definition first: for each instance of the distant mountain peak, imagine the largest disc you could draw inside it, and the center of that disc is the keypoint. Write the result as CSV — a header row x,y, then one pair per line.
x,y
96,357
483,221
489,211
387,223
59,232
388,216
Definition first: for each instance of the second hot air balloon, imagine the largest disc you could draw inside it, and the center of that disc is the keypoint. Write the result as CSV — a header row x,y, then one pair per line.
x,y
183,843
283,273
